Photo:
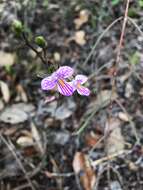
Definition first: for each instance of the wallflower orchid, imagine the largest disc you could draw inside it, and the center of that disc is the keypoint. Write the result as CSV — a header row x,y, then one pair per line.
x,y
57,81
77,85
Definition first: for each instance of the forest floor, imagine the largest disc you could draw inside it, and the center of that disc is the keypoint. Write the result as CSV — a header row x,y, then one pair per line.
x,y
52,142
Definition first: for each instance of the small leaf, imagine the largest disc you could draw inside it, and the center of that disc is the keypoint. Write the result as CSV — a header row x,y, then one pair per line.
x,y
115,2
135,58
133,12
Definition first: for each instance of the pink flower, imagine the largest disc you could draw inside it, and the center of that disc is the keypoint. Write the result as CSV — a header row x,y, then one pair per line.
x,y
77,85
57,81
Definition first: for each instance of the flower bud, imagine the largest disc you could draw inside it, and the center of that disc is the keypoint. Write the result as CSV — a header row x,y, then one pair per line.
x,y
40,41
17,27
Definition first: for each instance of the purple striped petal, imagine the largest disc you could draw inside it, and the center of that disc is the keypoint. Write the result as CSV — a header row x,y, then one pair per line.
x,y
81,79
48,83
64,88
65,72
83,90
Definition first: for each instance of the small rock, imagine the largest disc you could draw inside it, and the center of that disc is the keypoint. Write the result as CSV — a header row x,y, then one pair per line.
x,y
123,116
25,141
80,37
65,110
17,113
129,90
59,138
62,112
57,57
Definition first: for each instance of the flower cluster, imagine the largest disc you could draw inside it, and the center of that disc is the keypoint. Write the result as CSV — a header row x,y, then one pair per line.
x,y
57,81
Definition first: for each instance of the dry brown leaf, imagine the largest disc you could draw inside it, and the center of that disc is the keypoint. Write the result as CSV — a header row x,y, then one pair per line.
x,y
79,37
82,164
132,166
91,139
37,137
22,93
6,59
5,91
112,71
115,141
29,151
83,18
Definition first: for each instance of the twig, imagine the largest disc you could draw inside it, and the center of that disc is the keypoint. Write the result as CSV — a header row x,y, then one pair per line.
x,y
86,122
9,145
122,33
136,26
99,175
130,120
110,157
100,37
113,80
53,174
21,187
30,46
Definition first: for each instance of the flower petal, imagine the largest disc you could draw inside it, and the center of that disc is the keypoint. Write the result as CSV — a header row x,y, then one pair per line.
x,y
73,83
81,78
48,83
65,72
65,88
83,91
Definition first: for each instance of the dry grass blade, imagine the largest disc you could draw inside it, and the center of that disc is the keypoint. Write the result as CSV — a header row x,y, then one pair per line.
x,y
99,39
10,147
37,137
5,91
110,157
